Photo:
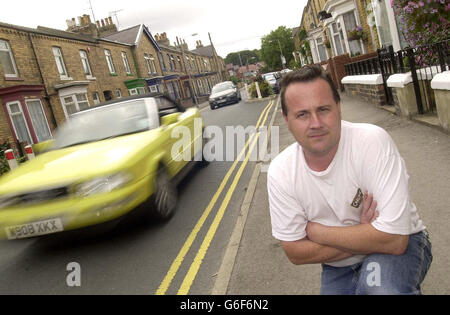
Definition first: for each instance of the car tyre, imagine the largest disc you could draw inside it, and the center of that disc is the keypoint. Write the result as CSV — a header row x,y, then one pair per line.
x,y
163,202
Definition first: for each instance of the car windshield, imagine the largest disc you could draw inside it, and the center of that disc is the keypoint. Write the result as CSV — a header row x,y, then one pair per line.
x,y
270,77
108,122
221,88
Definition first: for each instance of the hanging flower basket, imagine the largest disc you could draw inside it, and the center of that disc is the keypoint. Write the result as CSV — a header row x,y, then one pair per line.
x,y
357,34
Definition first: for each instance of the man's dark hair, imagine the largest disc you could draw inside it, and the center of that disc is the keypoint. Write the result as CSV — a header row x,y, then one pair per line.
x,y
306,74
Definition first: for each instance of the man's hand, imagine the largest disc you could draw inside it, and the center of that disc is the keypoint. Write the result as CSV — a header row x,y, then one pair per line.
x,y
369,211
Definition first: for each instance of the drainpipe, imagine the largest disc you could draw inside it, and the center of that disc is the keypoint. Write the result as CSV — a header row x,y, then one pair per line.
x,y
46,97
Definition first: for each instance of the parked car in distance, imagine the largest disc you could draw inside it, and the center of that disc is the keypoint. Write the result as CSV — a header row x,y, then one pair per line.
x,y
285,71
273,79
104,162
224,93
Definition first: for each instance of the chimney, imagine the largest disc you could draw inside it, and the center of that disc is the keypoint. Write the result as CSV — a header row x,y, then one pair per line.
x,y
185,46
84,26
106,27
199,44
162,39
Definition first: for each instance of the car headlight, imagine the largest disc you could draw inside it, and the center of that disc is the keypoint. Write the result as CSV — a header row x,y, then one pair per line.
x,y
102,185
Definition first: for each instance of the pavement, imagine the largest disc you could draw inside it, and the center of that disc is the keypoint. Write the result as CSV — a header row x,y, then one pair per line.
x,y
254,262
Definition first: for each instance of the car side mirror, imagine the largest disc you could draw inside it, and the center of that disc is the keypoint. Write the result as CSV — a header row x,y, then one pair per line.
x,y
170,119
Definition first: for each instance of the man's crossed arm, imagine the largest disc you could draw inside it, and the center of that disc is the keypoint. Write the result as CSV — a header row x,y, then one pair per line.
x,y
325,244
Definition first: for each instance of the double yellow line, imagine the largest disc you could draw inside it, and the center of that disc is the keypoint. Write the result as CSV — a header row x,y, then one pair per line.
x,y
195,266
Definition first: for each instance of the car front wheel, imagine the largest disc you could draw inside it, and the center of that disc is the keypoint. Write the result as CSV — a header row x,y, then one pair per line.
x,y
164,199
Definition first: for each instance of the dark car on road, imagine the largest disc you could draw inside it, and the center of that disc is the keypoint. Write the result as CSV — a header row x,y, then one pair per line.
x,y
224,93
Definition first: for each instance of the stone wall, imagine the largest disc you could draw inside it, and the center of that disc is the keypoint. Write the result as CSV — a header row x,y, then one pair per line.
x,y
369,93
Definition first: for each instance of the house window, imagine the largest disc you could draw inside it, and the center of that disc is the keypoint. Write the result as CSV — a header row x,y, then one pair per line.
x,y
109,60
321,49
7,60
136,91
170,62
177,90
171,90
125,63
188,63
19,123
59,62
85,62
179,62
150,62
153,64
336,33
38,119
96,98
153,88
350,25
200,86
74,103
162,62
119,93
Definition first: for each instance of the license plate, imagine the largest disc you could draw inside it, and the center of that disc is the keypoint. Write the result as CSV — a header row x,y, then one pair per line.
x,y
222,101
34,229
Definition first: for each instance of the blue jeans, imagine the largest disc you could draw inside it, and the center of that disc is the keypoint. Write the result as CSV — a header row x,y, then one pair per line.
x,y
381,273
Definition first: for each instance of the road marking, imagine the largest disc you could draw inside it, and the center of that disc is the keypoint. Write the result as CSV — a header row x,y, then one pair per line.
x,y
195,266
164,286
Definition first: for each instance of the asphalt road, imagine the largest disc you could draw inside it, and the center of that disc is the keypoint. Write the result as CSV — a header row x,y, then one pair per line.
x,y
137,259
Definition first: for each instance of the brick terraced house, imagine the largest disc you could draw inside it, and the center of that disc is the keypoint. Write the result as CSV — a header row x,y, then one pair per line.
x,y
47,74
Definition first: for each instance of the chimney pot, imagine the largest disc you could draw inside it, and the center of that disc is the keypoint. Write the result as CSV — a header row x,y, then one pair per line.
x,y
103,23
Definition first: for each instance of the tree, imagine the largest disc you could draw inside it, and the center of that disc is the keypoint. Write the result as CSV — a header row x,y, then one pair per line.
x,y
270,48
250,56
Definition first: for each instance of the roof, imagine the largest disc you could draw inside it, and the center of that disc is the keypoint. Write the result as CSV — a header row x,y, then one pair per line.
x,y
132,36
50,32
127,36
204,51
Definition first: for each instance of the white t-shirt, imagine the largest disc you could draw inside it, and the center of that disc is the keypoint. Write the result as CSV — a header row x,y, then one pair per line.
x,y
366,160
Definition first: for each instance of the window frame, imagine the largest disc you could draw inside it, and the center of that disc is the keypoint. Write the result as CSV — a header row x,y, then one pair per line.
x,y
8,107
31,120
11,58
110,61
85,63
60,58
75,101
126,63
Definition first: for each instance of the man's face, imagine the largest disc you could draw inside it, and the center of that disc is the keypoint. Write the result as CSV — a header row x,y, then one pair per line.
x,y
313,117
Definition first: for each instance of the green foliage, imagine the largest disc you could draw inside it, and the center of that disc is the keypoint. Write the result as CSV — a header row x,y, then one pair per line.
x,y
234,79
4,167
305,49
264,88
270,48
424,21
250,56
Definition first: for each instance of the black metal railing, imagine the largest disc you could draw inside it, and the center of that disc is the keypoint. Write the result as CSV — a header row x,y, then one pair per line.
x,y
424,62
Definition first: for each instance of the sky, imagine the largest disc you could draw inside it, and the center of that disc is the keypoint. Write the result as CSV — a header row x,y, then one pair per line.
x,y
234,25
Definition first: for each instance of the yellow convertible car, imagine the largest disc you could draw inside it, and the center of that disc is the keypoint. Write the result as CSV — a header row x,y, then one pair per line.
x,y
103,163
